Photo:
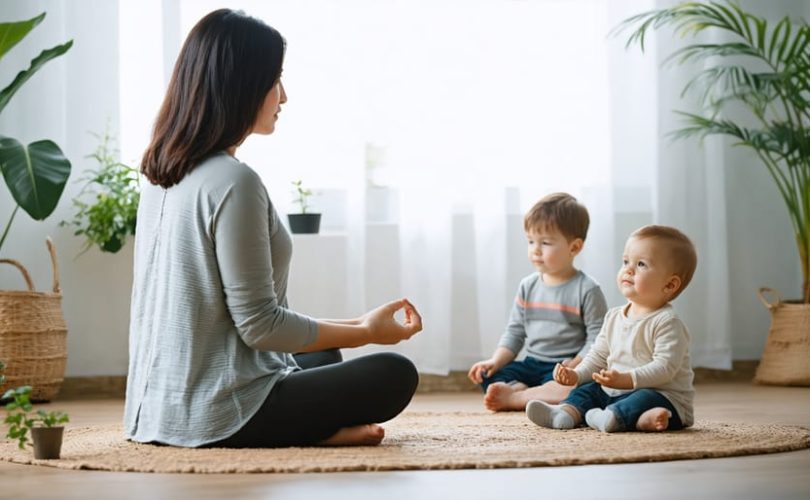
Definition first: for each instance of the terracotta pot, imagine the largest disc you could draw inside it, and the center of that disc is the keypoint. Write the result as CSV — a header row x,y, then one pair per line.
x,y
47,442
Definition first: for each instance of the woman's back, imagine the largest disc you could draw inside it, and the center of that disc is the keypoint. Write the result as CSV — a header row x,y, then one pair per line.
x,y
207,321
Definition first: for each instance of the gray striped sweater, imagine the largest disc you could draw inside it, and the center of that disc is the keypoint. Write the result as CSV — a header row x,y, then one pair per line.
x,y
555,322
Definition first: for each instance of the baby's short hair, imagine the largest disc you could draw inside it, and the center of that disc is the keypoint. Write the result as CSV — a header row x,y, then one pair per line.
x,y
559,211
682,254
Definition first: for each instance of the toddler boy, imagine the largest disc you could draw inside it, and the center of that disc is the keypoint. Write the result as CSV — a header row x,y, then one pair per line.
x,y
557,313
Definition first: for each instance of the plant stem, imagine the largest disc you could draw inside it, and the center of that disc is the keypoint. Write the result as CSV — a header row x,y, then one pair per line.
x,y
8,226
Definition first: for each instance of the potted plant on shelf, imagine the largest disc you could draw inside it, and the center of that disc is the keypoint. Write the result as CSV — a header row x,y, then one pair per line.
x,y
303,222
46,433
36,175
113,188
764,70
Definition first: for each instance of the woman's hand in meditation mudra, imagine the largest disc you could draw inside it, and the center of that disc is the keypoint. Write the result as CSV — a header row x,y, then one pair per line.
x,y
383,327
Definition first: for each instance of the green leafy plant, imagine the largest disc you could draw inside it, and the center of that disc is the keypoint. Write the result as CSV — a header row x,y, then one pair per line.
x,y
302,196
35,174
763,70
17,414
113,189
18,417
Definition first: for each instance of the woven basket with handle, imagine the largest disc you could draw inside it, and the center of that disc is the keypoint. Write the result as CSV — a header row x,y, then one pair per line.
x,y
33,335
786,358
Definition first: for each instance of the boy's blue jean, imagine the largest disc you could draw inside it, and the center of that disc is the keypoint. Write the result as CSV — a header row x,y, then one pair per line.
x,y
530,371
627,407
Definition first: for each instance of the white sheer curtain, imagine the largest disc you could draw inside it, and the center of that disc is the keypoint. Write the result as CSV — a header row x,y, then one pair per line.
x,y
679,183
435,125
428,128
460,115
476,114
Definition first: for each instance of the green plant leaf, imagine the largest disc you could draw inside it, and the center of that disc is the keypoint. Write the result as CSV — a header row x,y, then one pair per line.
x,y
36,175
107,206
36,64
12,33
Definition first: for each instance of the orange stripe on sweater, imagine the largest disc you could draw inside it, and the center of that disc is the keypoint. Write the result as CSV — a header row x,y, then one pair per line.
x,y
546,305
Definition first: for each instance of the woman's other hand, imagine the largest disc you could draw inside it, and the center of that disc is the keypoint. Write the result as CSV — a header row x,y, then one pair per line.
x,y
384,328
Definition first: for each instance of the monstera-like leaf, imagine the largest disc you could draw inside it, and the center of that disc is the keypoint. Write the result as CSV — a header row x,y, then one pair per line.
x,y
35,174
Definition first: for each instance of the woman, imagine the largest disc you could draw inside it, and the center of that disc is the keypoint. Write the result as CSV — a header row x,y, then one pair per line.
x,y
210,331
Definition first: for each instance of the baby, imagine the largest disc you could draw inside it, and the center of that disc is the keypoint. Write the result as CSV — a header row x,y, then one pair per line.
x,y
639,363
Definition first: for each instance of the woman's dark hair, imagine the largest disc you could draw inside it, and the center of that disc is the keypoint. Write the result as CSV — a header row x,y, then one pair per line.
x,y
226,67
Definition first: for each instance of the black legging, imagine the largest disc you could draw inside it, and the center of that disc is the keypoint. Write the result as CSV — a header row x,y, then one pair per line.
x,y
311,405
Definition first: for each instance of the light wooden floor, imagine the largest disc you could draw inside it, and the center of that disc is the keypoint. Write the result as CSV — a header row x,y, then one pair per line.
x,y
775,476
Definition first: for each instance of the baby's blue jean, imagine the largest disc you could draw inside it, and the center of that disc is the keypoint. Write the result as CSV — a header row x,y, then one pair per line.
x,y
627,407
530,371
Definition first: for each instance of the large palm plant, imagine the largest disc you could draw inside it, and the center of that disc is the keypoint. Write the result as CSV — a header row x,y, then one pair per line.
x,y
764,69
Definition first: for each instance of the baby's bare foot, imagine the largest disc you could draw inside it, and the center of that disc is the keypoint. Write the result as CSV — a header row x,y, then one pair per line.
x,y
654,420
359,435
502,397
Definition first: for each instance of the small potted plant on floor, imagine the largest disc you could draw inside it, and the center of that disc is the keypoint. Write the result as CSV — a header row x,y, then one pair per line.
x,y
44,428
303,222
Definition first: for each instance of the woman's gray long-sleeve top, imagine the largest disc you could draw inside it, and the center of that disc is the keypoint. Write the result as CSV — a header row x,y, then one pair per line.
x,y
209,329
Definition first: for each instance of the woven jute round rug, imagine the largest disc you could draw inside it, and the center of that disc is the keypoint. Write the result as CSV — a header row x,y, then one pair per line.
x,y
428,440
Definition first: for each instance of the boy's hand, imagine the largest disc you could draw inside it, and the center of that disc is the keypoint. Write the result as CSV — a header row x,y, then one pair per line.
x,y
565,375
482,369
613,379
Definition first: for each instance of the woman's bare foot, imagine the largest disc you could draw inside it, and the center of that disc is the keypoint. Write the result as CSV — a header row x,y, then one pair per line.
x,y
359,435
654,420
504,397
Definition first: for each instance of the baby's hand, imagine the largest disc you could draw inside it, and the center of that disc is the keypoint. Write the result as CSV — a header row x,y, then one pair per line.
x,y
565,375
480,370
613,379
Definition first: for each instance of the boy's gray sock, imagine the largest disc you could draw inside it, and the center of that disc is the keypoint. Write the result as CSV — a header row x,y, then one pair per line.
x,y
550,416
602,420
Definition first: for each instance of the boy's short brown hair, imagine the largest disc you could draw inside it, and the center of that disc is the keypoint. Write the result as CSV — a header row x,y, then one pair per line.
x,y
559,211
681,252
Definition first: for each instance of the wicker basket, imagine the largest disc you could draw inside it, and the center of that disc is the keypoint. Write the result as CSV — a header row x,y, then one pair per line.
x,y
786,359
33,335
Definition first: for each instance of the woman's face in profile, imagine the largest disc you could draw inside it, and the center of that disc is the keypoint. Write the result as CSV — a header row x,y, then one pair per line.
x,y
268,114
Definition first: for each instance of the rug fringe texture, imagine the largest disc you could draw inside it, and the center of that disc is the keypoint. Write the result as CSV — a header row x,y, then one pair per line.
x,y
424,441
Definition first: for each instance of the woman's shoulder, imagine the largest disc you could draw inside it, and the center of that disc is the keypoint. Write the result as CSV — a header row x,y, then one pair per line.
x,y
220,173
226,167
